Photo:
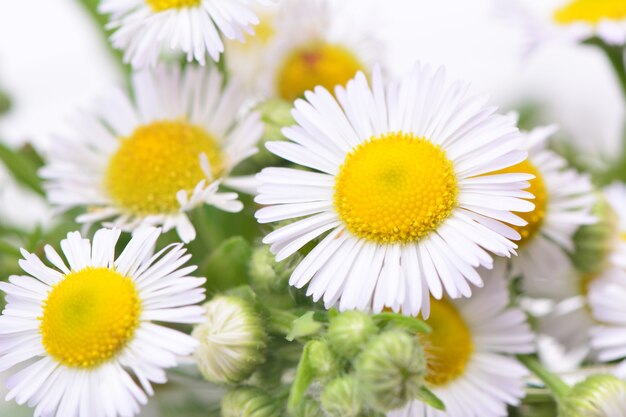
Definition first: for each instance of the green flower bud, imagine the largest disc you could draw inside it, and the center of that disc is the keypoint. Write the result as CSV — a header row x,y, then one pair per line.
x,y
267,274
594,242
322,360
232,340
391,370
340,397
348,332
597,396
309,408
249,402
276,114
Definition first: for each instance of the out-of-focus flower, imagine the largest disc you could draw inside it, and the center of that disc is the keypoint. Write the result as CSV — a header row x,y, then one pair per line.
x,y
573,21
597,396
390,370
85,325
571,319
468,363
563,201
249,402
146,28
401,185
152,159
232,340
302,45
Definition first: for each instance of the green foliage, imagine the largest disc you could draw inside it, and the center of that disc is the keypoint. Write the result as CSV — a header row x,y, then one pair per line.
x,y
227,267
23,166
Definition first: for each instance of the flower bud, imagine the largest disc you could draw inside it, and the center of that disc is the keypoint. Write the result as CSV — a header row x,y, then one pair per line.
x,y
249,402
275,114
340,397
322,360
348,332
267,274
391,369
597,396
594,242
232,340
309,408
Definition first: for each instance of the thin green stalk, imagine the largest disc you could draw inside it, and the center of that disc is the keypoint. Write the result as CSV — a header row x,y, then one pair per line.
x,y
552,381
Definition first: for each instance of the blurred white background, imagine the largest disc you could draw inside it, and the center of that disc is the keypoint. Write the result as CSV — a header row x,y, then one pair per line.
x,y
54,62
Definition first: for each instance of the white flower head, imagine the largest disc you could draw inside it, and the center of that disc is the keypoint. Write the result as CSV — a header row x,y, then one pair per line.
x,y
85,325
146,28
151,159
469,363
403,184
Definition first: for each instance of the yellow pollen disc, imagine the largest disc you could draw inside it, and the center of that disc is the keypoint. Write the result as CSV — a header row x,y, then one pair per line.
x,y
539,190
591,11
89,317
448,347
395,188
156,162
318,63
161,5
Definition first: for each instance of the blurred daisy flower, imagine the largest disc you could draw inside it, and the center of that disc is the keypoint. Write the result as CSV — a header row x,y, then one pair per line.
x,y
572,21
150,160
301,45
468,353
603,244
146,28
563,200
85,325
400,181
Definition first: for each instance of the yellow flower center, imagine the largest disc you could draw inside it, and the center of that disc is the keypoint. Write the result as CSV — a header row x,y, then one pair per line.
x,y
161,5
591,11
395,188
156,162
539,190
318,63
448,347
89,317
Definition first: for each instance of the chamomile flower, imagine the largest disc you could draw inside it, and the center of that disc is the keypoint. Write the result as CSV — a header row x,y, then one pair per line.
x,y
303,45
606,299
400,181
563,201
468,353
616,196
146,28
152,159
570,21
83,329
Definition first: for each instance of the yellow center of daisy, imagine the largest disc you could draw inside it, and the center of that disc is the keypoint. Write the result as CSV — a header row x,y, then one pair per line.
x,y
157,161
538,189
89,317
591,11
395,188
318,63
448,347
161,5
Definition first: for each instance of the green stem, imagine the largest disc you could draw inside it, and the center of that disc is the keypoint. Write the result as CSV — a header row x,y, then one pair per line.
x,y
552,381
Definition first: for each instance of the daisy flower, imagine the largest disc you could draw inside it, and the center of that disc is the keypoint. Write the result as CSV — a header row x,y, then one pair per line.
x,y
83,329
400,183
563,201
303,44
571,20
145,28
150,160
569,288
468,353
606,299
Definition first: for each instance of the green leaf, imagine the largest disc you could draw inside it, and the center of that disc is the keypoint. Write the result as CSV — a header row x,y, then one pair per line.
x,y
8,249
22,168
412,324
303,326
427,396
300,385
227,267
